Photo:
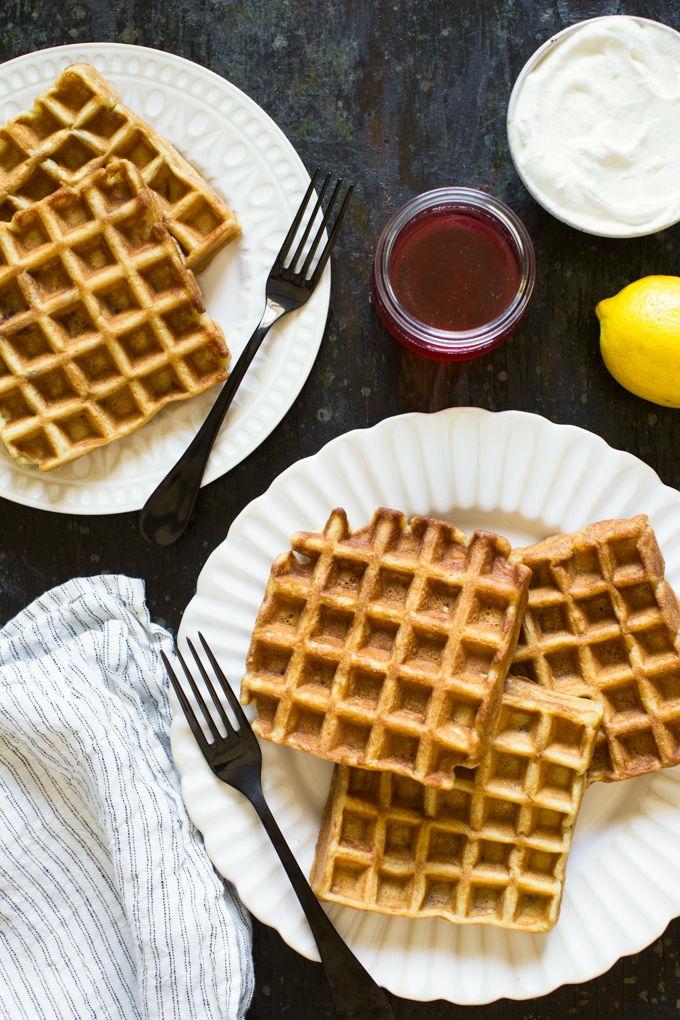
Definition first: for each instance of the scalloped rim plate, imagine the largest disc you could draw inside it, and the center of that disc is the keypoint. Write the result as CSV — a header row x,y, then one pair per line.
x,y
249,161
522,476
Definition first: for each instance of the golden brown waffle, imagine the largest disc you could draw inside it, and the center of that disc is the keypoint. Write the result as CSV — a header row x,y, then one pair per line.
x,y
101,323
386,648
603,623
79,125
491,851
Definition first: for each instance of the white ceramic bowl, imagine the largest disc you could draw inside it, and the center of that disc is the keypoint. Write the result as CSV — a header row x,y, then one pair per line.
x,y
534,189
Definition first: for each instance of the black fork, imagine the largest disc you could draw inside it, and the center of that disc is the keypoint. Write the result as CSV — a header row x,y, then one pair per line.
x,y
166,513
237,761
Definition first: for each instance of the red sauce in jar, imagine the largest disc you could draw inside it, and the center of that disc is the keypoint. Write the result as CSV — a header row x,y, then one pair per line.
x,y
453,270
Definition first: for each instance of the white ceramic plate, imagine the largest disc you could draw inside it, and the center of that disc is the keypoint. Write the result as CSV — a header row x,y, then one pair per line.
x,y
524,477
248,160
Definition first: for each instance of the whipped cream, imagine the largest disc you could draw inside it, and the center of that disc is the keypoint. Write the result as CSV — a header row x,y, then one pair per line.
x,y
594,126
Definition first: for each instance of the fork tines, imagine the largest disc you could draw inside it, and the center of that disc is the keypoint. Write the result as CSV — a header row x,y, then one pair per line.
x,y
319,219
225,686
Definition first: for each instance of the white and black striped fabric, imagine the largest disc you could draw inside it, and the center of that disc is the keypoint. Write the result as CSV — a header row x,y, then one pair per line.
x,y
109,906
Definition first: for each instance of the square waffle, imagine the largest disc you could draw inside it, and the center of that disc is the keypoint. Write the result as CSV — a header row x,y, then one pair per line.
x,y
386,648
602,623
101,323
80,124
493,850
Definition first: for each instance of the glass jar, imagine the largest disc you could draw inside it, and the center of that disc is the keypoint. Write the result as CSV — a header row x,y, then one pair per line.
x,y
509,264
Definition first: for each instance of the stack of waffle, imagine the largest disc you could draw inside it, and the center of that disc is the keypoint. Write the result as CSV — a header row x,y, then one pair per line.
x,y
457,786
102,226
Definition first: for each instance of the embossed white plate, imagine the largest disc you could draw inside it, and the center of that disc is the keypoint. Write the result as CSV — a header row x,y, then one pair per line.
x,y
248,160
524,477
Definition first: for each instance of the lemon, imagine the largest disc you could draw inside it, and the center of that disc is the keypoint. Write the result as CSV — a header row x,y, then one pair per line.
x,y
640,338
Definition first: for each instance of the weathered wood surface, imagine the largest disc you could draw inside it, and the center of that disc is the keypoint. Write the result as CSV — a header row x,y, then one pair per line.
x,y
397,96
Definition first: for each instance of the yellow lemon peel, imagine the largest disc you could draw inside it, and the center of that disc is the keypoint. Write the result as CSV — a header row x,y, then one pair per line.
x,y
640,338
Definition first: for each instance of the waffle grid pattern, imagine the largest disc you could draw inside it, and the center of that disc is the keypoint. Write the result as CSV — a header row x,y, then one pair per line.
x,y
101,324
492,850
602,622
386,648
77,126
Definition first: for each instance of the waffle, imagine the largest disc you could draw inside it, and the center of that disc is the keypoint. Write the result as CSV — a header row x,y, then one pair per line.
x,y
603,623
491,851
101,322
79,125
386,648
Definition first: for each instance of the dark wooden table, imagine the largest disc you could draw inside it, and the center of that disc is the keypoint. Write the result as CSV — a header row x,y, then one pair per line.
x,y
398,96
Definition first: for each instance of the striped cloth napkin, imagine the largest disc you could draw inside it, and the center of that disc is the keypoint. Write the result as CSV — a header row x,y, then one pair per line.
x,y
109,906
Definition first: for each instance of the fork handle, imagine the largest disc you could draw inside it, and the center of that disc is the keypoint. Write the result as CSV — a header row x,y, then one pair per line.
x,y
166,513
355,994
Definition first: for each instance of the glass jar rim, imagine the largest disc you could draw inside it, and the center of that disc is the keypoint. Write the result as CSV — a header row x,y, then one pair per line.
x,y
462,199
